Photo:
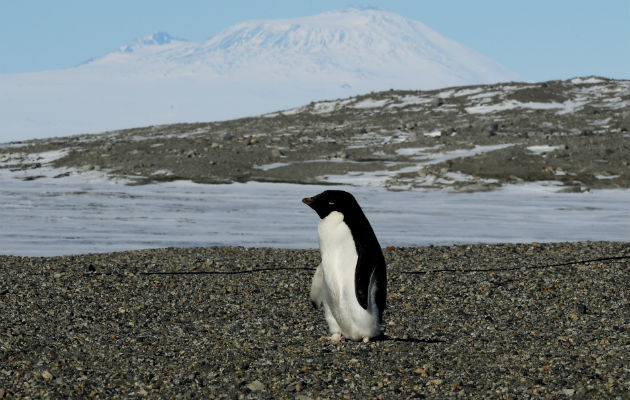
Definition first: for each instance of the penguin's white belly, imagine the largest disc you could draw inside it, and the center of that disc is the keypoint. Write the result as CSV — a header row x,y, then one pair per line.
x,y
344,314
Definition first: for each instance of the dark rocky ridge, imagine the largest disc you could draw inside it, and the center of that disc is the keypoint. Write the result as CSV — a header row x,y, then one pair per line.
x,y
583,122
237,323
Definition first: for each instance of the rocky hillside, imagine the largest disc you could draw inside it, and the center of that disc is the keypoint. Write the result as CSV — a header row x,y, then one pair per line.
x,y
572,133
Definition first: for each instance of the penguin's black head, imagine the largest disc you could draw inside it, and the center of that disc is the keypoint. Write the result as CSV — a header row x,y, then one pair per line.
x,y
333,200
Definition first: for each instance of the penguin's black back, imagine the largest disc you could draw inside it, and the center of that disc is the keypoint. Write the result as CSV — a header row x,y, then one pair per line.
x,y
370,260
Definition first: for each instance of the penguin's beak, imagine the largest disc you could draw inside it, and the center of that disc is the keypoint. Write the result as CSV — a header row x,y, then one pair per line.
x,y
307,201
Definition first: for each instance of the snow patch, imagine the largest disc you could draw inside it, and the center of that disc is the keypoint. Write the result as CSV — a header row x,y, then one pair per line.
x,y
370,103
420,155
542,149
607,176
44,158
163,172
579,81
512,104
409,100
267,167
467,92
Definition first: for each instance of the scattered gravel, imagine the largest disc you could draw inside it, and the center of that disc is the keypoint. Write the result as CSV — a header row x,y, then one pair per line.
x,y
233,322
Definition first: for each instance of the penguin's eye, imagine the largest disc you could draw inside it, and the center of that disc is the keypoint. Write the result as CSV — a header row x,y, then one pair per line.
x,y
332,203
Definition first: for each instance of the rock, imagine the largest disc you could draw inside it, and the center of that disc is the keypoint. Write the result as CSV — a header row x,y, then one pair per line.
x,y
420,371
47,376
255,386
276,154
294,387
436,102
492,129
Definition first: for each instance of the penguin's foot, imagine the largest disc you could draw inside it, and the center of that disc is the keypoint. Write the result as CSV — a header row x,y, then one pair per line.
x,y
335,338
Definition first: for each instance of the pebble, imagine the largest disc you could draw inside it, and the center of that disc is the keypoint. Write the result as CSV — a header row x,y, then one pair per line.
x,y
255,386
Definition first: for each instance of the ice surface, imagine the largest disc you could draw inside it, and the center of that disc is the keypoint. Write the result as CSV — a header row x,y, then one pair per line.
x,y
78,214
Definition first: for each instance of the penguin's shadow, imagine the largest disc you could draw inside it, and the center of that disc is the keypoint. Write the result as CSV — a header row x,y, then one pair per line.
x,y
385,338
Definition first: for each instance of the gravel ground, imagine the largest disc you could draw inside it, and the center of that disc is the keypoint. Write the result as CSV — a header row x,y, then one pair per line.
x,y
233,322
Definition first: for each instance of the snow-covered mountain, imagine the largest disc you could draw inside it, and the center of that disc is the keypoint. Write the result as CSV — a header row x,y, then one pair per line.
x,y
251,68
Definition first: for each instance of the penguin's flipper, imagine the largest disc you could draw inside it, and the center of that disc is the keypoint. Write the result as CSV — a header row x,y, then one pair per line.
x,y
370,276
316,287
362,276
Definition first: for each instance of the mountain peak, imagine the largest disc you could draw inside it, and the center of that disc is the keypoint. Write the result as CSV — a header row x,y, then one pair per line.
x,y
363,48
352,44
358,10
156,39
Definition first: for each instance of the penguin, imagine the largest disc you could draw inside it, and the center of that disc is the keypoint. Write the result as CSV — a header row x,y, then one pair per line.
x,y
351,281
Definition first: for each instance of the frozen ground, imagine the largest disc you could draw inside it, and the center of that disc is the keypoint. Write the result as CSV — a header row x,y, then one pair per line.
x,y
85,213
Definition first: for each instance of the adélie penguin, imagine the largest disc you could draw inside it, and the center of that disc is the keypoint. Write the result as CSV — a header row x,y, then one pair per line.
x,y
351,281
